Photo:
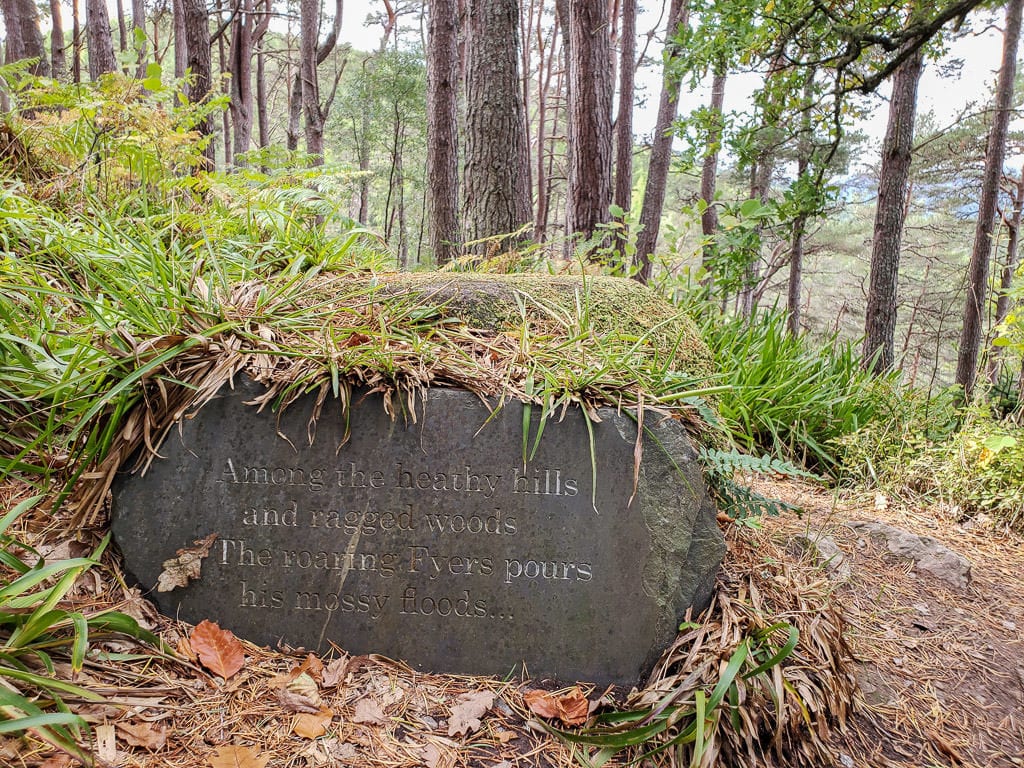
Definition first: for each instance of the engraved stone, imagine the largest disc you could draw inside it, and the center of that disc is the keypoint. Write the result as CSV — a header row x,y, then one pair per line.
x,y
429,539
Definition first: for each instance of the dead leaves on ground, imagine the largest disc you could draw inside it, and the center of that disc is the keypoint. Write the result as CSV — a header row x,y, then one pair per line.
x,y
571,707
238,756
467,711
217,649
185,566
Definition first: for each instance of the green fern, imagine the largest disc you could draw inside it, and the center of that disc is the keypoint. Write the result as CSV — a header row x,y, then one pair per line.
x,y
738,501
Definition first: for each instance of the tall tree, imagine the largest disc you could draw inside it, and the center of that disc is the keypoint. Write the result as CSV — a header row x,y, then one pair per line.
x,y
58,62
139,37
880,316
76,43
709,169
1013,222
24,39
495,178
197,41
99,38
306,101
443,129
981,254
590,117
623,192
661,146
180,38
240,65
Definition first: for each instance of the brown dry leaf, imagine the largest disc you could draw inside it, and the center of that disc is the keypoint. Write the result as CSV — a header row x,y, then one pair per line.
x,y
59,760
185,567
310,725
237,756
340,750
572,707
431,754
218,649
152,736
334,672
300,694
467,711
369,711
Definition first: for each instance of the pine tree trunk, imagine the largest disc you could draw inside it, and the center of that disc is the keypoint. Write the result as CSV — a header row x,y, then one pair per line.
x,y
495,176
981,254
1006,278
623,194
241,80
197,41
709,174
76,43
590,118
878,354
139,26
99,39
661,148
122,28
58,62
443,130
180,38
24,38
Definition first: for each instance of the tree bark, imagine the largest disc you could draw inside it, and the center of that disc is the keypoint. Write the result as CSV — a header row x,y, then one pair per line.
x,y
661,147
981,253
99,38
709,173
58,62
878,353
122,28
623,194
495,177
240,66
314,118
443,130
590,118
180,38
1009,270
197,41
76,43
24,38
141,48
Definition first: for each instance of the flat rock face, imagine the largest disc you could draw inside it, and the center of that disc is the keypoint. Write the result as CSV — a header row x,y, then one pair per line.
x,y
430,540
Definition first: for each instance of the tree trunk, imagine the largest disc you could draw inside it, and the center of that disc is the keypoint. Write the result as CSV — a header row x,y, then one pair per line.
x,y
981,254
495,178
590,118
314,119
180,38
661,147
58,62
443,130
709,173
880,321
122,28
99,38
139,31
24,38
261,76
623,194
546,66
76,43
225,83
805,149
1009,270
241,79
197,41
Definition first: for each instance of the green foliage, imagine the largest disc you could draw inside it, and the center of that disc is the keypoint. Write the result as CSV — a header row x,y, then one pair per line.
x,y
36,629
789,396
740,502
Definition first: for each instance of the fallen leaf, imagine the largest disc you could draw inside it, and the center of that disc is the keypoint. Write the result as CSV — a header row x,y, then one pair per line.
x,y
505,736
218,649
311,725
237,756
300,695
369,711
185,566
431,755
106,744
468,710
572,707
340,750
150,736
334,672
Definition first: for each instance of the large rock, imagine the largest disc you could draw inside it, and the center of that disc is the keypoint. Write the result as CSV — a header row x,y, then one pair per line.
x,y
428,537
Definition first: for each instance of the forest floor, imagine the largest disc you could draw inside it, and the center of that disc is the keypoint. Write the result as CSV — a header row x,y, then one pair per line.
x,y
941,670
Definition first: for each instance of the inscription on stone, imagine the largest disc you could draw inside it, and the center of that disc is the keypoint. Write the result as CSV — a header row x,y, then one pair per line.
x,y
430,539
